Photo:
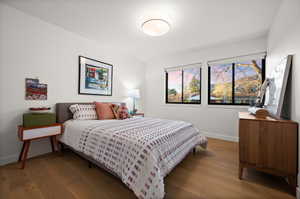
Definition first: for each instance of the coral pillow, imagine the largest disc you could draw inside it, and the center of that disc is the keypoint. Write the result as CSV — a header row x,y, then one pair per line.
x,y
121,112
104,111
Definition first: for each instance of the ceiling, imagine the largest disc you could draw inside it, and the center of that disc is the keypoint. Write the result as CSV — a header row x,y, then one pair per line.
x,y
194,23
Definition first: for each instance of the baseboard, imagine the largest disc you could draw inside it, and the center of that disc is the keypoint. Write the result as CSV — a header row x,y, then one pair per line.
x,y
8,159
221,137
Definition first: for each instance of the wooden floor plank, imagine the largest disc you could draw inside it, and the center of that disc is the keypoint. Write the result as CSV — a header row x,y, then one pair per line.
x,y
16,183
211,174
50,186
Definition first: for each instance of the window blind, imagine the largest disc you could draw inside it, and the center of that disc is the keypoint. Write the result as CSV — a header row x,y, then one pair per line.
x,y
253,56
182,67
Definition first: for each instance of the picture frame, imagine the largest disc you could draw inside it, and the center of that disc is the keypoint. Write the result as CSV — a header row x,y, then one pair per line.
x,y
34,90
95,77
275,95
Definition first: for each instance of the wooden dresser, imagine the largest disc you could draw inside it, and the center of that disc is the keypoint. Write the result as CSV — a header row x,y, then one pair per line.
x,y
268,145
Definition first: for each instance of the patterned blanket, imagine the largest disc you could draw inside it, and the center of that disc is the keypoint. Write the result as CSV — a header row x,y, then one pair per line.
x,y
141,151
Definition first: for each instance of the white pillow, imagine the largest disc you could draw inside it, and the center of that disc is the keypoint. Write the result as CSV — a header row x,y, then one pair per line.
x,y
84,111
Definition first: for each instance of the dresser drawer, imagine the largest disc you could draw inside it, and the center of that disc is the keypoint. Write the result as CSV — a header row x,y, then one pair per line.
x,y
40,132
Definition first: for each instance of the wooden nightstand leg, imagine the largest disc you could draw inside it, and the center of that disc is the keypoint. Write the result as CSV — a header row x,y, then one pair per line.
x,y
52,143
25,152
241,168
292,180
21,153
55,143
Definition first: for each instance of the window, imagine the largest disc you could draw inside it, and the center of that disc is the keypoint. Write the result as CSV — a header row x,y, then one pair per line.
x,y
183,85
235,81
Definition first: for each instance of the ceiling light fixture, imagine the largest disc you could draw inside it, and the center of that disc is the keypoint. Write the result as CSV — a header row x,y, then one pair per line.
x,y
155,27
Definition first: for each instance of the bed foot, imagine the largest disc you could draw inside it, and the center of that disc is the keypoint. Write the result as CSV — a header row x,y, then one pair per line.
x,y
194,151
90,164
61,148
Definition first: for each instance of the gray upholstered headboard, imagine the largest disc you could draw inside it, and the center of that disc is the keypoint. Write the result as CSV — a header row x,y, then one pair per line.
x,y
63,112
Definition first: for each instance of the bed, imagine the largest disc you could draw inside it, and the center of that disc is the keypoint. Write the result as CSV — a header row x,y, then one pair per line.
x,y
140,151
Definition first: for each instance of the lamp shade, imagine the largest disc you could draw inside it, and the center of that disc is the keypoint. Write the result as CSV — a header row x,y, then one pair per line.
x,y
134,93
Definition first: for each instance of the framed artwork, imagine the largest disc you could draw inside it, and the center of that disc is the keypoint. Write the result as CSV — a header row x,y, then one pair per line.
x,y
95,77
34,90
278,83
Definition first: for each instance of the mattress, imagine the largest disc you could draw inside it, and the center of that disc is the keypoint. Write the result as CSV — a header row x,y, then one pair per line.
x,y
140,151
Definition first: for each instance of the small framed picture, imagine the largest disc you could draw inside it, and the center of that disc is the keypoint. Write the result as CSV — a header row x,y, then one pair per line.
x,y
95,77
35,90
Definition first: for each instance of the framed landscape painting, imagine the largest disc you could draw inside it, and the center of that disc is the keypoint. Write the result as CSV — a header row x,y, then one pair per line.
x,y
95,77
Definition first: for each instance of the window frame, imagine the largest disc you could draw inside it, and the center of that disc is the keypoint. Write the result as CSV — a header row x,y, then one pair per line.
x,y
263,73
182,88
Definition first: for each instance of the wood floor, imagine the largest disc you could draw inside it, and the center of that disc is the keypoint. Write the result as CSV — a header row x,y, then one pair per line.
x,y
208,175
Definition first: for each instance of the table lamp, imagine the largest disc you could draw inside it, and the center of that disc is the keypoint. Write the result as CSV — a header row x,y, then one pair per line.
x,y
134,94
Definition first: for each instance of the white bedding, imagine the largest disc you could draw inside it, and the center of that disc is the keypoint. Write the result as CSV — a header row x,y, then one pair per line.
x,y
140,151
73,130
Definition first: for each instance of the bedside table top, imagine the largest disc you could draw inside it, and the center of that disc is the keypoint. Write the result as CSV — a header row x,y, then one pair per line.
x,y
138,114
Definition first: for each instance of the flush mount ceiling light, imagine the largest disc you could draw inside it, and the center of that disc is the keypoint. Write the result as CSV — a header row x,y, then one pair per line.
x,y
155,27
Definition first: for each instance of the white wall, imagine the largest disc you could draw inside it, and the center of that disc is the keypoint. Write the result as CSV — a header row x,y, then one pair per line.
x,y
284,39
32,48
214,120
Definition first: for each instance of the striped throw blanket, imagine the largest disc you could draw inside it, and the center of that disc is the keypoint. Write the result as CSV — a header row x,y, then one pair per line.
x,y
141,151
